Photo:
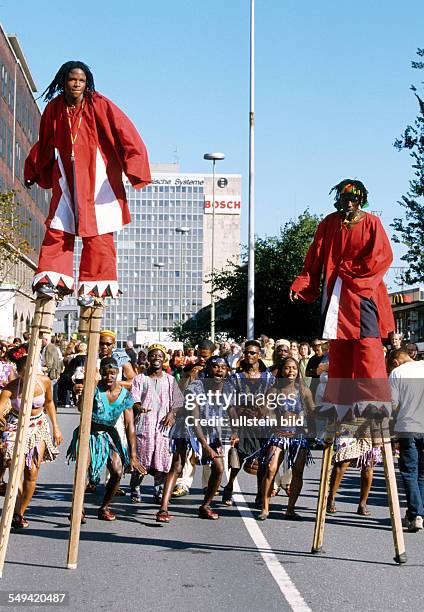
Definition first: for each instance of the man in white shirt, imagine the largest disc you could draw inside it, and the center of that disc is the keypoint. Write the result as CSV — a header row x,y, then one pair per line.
x,y
407,386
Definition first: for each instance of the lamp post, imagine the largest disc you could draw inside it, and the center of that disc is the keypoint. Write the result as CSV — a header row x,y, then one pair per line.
x,y
213,157
159,265
181,231
251,240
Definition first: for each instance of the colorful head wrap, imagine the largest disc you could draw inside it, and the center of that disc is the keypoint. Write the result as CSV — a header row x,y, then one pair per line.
x,y
108,332
353,187
156,346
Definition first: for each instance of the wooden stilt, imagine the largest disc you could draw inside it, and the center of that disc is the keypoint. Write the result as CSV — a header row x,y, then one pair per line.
x,y
41,326
392,494
322,498
90,325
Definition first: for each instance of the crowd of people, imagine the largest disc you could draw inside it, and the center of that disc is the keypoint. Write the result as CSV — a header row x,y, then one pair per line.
x,y
162,413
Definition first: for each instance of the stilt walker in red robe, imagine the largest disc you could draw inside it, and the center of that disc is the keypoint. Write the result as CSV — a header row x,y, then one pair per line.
x,y
351,253
85,145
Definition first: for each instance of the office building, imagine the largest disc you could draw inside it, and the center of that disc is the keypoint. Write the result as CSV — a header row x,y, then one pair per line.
x,y
19,123
171,226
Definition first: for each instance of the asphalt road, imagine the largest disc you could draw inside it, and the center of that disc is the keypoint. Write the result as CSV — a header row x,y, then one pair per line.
x,y
137,564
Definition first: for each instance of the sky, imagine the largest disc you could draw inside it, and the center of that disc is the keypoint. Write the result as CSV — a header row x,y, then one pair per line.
x,y
331,87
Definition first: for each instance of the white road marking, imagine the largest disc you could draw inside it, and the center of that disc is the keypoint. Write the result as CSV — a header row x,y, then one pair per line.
x,y
281,577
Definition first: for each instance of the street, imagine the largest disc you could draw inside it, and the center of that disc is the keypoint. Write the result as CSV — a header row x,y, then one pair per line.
x,y
233,563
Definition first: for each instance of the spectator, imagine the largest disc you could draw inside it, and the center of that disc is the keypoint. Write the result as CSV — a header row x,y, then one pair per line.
x,y
406,383
396,340
313,363
304,355
412,350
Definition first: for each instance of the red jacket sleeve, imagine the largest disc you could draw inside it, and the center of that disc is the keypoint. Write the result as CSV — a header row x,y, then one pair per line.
x,y
364,275
308,283
129,146
39,163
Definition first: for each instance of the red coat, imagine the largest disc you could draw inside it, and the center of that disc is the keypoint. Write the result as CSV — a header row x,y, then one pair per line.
x,y
106,146
353,262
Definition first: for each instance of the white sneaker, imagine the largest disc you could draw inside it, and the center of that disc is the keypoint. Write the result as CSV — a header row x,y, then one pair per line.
x,y
416,524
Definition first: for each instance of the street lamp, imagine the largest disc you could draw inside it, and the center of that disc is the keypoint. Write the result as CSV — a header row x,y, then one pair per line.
x,y
181,231
213,157
159,265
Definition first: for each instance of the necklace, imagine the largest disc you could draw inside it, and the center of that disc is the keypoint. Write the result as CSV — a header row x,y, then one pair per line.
x,y
74,137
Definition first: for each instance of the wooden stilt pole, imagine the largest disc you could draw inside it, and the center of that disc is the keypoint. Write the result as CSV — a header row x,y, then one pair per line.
x,y
392,494
90,324
41,325
322,498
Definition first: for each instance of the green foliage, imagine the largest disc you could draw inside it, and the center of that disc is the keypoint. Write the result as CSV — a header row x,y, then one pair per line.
x,y
411,229
12,242
278,260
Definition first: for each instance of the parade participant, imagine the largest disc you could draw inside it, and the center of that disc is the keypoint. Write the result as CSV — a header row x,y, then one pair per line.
x,y
85,144
111,400
107,348
156,397
281,351
352,252
252,381
406,382
190,373
204,441
286,441
39,445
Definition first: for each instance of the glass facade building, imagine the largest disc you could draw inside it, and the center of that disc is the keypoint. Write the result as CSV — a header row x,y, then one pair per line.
x,y
151,298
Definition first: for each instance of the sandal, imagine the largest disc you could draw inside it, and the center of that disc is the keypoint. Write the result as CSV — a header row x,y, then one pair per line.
x,y
135,497
179,491
208,513
163,516
19,522
331,508
263,516
91,488
227,497
274,492
106,515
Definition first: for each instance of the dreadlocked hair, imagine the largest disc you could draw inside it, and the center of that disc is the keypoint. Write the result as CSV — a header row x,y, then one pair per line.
x,y
57,86
356,186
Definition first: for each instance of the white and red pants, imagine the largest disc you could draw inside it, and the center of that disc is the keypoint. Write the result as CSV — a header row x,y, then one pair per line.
x,y
97,271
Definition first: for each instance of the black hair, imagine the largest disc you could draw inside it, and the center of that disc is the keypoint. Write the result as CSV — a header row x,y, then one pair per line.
x,y
359,187
283,363
57,86
206,345
252,343
109,362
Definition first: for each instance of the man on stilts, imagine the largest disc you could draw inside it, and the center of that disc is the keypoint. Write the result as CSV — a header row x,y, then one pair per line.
x,y
85,144
351,253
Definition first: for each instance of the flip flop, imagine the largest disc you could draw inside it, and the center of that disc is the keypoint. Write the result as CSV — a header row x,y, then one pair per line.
x,y
163,516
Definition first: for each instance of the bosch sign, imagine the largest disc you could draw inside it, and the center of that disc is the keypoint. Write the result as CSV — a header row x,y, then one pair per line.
x,y
224,205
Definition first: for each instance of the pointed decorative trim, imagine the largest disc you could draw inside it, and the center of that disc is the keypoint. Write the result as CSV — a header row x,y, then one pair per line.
x,y
54,278
100,288
385,408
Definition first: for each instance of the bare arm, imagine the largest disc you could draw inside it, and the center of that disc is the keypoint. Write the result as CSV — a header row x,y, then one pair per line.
x,y
130,433
51,410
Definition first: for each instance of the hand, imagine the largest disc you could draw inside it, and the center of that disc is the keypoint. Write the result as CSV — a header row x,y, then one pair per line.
x,y
293,295
167,420
234,439
322,367
78,389
137,466
57,436
213,454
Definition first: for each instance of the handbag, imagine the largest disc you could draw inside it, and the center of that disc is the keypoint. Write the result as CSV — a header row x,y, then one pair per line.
x,y
251,467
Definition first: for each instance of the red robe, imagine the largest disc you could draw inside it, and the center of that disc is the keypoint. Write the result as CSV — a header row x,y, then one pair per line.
x,y
107,145
353,262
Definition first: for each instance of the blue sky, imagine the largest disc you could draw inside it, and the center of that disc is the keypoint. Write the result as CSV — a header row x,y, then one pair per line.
x,y
332,86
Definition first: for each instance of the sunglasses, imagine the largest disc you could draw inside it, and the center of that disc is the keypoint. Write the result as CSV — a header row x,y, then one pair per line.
x,y
106,343
251,352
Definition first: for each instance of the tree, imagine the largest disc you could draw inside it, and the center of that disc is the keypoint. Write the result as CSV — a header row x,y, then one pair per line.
x,y
411,229
13,244
278,260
